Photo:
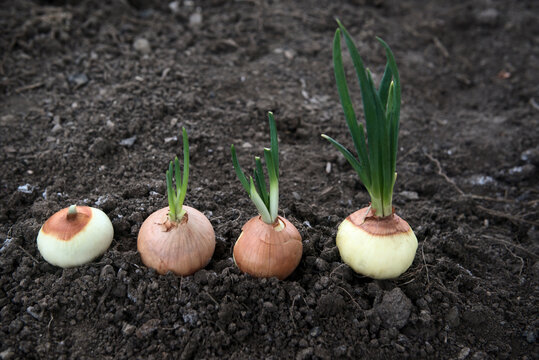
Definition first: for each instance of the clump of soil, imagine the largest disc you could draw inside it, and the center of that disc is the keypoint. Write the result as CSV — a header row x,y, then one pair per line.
x,y
94,96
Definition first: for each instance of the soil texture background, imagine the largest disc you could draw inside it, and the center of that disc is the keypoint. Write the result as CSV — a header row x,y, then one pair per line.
x,y
93,96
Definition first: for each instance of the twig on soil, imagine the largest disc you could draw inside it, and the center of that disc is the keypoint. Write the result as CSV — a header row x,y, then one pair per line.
x,y
27,253
407,153
442,174
514,219
331,273
211,298
351,297
505,242
50,321
290,310
28,87
440,47
424,261
103,298
473,196
518,257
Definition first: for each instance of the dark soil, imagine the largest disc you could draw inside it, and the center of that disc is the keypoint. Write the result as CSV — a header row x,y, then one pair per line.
x,y
87,117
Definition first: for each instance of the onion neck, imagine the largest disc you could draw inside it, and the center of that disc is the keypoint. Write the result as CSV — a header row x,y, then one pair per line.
x,y
381,208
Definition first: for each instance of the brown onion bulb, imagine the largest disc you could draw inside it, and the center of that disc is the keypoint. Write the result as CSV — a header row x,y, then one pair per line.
x,y
183,248
264,250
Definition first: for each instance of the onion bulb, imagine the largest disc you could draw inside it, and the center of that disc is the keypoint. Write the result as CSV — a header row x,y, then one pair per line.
x,y
182,247
380,248
268,250
75,236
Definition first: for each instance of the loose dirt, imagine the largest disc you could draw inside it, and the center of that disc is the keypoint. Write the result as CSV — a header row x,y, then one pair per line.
x,y
93,96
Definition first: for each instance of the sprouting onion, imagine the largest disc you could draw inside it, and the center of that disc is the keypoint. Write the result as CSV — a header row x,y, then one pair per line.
x,y
269,245
374,241
177,238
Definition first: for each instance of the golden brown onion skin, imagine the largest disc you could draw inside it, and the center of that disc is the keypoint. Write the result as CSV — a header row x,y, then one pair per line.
x,y
182,248
262,251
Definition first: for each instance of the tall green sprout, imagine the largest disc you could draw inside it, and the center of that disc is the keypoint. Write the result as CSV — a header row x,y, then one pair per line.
x,y
376,164
266,202
176,194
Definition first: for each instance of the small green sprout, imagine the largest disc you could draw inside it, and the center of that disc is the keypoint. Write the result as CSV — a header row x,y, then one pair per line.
x,y
176,195
375,166
266,202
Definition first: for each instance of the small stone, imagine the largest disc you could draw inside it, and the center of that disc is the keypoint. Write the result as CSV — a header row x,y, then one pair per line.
x,y
315,332
321,265
174,6
519,173
56,128
530,336
531,156
289,54
147,328
32,312
410,195
7,354
328,167
142,45
129,141
195,19
489,16
339,351
128,329
463,354
170,139
296,195
26,189
246,145
305,354
78,79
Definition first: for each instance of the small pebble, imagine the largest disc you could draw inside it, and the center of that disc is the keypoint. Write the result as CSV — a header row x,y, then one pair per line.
x,y
129,141
78,79
56,128
128,329
531,156
488,17
463,354
195,19
174,6
315,331
26,189
142,45
410,195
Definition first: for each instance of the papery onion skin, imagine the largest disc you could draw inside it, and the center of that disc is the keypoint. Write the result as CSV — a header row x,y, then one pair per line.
x,y
261,251
72,240
183,248
380,248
